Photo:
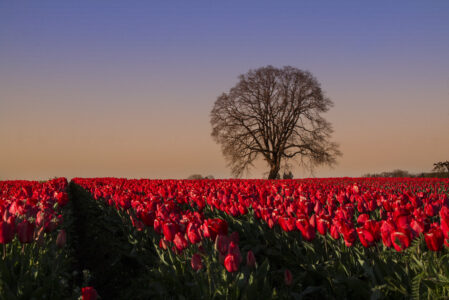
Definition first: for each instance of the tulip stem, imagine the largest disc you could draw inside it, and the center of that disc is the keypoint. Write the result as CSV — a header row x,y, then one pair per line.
x,y
325,245
4,251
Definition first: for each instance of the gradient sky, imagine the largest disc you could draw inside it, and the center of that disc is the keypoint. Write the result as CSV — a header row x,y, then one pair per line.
x,y
125,88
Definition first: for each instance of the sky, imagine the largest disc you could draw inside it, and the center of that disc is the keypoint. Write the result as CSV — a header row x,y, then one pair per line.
x,y
125,88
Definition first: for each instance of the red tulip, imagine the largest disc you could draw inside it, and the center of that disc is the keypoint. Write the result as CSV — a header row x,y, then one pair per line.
x,y
307,231
362,219
196,262
386,230
25,231
434,239
444,220
250,259
157,225
163,244
61,238
335,234
417,227
400,240
235,250
365,237
231,263
284,223
169,229
430,210
7,231
374,228
270,223
62,198
349,234
180,242
89,293
147,217
215,227
288,277
193,233
222,243
322,226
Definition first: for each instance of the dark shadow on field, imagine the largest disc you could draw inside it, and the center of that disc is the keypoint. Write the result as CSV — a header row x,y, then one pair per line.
x,y
103,253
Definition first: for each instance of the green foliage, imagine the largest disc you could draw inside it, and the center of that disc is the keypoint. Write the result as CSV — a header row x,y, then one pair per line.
x,y
39,270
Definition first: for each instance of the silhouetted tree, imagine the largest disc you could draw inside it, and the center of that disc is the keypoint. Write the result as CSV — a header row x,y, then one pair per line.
x,y
441,166
276,114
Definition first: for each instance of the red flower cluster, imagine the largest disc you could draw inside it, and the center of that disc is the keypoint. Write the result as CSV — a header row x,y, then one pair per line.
x,y
392,211
157,204
30,208
89,293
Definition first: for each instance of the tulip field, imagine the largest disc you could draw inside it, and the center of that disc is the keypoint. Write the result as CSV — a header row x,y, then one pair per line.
x,y
34,263
114,238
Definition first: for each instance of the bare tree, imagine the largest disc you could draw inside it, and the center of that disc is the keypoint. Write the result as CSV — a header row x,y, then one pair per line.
x,y
441,166
274,114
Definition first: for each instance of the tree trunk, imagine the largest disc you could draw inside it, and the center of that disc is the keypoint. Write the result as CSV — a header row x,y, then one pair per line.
x,y
274,171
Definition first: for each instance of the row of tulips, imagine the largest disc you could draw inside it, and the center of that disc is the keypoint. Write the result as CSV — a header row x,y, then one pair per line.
x,y
29,209
162,210
394,211
372,218
369,210
35,262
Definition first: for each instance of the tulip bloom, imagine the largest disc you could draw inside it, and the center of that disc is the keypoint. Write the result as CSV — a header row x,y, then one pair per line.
x,y
307,231
25,231
400,240
235,250
362,219
89,293
349,235
61,239
322,225
434,239
169,229
386,230
287,224
193,233
335,234
365,237
7,231
163,244
250,259
288,277
222,243
444,220
180,242
231,263
196,262
215,227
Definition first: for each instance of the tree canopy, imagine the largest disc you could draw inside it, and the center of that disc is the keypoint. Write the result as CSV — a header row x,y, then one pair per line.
x,y
275,114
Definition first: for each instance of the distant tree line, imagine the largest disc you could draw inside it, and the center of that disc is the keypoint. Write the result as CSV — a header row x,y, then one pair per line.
x,y
199,176
285,175
440,170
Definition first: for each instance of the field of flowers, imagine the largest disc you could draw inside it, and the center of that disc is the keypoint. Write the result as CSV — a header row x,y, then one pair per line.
x,y
34,263
226,239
